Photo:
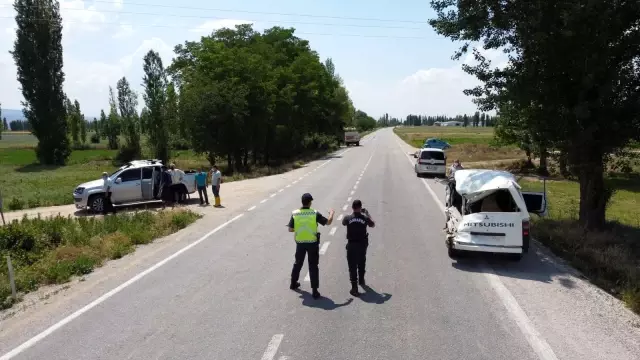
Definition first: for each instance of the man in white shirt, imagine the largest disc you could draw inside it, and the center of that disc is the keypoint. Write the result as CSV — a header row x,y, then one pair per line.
x,y
177,176
216,180
107,205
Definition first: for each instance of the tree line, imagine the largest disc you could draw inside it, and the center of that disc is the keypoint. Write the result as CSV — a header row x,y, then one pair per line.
x,y
475,120
571,87
237,94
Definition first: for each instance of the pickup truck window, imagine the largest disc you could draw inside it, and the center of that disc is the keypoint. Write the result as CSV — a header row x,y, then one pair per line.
x,y
147,172
130,175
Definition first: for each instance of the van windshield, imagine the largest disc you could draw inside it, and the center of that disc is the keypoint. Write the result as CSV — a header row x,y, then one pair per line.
x,y
432,155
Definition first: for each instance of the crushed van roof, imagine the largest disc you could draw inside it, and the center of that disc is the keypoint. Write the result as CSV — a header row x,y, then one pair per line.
x,y
474,181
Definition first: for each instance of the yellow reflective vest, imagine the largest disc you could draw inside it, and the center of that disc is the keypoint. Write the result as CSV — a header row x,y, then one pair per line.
x,y
305,225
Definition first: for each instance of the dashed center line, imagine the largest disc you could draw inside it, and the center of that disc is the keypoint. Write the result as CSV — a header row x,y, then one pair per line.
x,y
333,231
263,201
307,278
272,195
281,190
355,186
344,208
251,208
288,186
272,348
352,192
324,247
340,217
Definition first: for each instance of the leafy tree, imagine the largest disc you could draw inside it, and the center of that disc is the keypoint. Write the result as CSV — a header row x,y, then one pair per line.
x,y
128,103
113,125
177,130
37,53
587,109
155,84
5,124
3,127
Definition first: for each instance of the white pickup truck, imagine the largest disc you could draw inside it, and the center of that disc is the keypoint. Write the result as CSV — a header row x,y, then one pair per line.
x,y
486,211
136,182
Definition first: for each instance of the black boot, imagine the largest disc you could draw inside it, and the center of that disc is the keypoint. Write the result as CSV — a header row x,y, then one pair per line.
x,y
294,285
315,294
354,289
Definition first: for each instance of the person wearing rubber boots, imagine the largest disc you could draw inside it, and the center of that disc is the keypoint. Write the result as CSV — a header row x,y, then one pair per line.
x,y
357,244
304,224
216,180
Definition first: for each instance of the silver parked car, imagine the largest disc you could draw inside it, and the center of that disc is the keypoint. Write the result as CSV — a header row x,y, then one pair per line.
x,y
136,182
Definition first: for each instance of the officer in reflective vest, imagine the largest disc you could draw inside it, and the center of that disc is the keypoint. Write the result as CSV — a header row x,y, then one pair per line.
x,y
304,224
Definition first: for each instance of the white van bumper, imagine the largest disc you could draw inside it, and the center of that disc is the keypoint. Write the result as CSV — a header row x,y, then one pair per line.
x,y
487,248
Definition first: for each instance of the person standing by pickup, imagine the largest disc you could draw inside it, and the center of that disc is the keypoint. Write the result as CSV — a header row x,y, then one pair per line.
x,y
107,205
177,176
201,185
216,180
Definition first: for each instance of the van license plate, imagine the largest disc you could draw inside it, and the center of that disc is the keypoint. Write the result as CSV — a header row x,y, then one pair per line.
x,y
428,167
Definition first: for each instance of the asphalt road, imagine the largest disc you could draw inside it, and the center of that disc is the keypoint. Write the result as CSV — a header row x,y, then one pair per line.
x,y
220,291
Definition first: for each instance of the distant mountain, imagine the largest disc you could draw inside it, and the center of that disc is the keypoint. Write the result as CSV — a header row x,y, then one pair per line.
x,y
12,114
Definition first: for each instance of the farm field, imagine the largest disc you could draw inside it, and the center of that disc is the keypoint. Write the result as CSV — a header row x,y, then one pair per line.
x,y
26,184
610,259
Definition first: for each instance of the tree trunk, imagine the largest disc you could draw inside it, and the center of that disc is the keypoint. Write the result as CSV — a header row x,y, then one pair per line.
x,y
543,169
594,195
229,163
562,164
238,160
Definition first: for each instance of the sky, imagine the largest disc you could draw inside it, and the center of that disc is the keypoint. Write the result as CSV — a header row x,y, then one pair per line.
x,y
390,59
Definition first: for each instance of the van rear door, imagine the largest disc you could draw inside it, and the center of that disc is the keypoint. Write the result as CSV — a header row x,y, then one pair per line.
x,y
536,202
492,229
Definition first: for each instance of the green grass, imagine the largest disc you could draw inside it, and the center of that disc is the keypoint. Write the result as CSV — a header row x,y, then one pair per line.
x,y
467,144
53,250
26,184
611,259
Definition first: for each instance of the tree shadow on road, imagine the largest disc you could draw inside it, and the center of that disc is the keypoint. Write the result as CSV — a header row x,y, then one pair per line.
x,y
534,266
322,303
373,297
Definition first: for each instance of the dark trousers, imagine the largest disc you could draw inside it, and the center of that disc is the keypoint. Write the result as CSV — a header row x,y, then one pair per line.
x,y
357,259
313,249
215,190
107,205
201,190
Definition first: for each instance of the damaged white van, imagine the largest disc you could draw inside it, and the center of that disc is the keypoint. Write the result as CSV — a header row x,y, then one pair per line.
x,y
486,211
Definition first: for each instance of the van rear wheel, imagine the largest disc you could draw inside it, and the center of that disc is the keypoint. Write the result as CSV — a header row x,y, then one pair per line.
x,y
453,253
515,257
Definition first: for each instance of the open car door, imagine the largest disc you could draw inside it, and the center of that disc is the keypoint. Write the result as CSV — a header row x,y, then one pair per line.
x,y
536,202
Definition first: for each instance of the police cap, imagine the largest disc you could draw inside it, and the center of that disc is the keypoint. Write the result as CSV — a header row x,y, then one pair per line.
x,y
306,197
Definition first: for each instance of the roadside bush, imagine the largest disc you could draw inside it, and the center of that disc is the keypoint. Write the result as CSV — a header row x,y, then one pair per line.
x,y
611,259
53,250
16,204
95,138
127,153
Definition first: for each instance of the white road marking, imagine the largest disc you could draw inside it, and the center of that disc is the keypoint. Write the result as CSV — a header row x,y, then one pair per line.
x,y
349,198
263,201
307,278
272,348
355,186
300,178
358,182
281,190
272,195
251,208
333,231
344,208
34,340
295,182
324,247
288,186
283,358
534,338
353,192
340,217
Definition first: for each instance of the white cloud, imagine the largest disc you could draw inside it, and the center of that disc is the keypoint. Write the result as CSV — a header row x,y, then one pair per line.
x,y
157,44
426,91
211,25
124,31
77,16
118,4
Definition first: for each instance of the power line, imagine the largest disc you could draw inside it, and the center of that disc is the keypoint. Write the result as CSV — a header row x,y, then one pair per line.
x,y
263,12
250,20
185,27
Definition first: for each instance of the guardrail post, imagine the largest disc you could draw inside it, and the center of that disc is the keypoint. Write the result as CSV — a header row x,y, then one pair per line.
x,y
12,280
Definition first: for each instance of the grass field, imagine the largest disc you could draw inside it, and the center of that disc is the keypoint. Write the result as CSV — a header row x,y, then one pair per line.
x,y
26,184
52,250
467,144
611,259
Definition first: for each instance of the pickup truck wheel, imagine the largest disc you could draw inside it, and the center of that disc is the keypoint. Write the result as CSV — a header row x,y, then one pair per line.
x,y
358,143
96,203
453,253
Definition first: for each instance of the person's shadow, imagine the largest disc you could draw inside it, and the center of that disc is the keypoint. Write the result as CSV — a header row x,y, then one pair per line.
x,y
321,303
373,297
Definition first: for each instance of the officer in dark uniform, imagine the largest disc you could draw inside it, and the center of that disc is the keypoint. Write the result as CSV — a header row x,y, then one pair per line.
x,y
304,223
357,243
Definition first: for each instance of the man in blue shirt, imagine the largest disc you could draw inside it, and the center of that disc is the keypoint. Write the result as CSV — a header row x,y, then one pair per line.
x,y
201,184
